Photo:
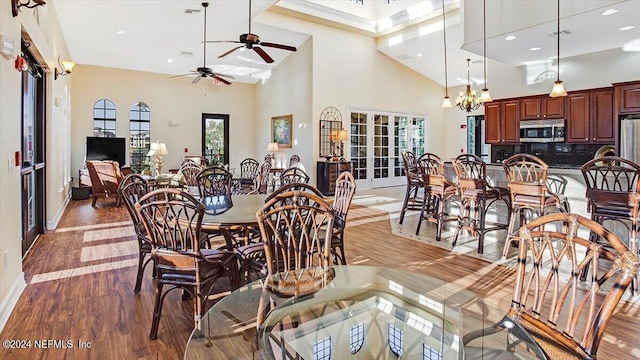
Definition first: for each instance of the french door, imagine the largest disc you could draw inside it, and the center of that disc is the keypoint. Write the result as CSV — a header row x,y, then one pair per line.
x,y
377,142
32,168
215,138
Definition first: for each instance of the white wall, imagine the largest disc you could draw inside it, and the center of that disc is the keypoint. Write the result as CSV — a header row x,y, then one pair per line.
x,y
47,43
288,91
169,99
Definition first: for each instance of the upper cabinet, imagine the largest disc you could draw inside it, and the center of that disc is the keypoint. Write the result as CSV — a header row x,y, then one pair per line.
x,y
541,107
628,97
502,122
590,118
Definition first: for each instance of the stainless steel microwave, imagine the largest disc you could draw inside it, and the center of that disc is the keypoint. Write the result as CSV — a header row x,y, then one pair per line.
x,y
542,131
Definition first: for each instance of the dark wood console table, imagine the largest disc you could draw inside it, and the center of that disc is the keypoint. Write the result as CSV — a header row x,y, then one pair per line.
x,y
328,172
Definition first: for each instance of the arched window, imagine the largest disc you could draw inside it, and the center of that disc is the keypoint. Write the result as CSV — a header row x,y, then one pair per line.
x,y
396,340
322,349
139,136
104,118
356,338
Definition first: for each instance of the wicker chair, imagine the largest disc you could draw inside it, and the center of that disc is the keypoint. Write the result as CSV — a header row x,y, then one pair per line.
x,y
214,181
189,171
248,172
296,227
477,197
437,192
173,221
105,177
293,175
566,318
613,194
412,198
294,161
131,189
345,189
527,184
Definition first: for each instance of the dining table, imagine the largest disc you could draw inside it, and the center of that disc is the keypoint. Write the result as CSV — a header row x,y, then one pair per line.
x,y
360,312
232,215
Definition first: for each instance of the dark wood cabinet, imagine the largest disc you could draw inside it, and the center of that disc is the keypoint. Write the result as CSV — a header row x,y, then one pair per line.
x,y
602,116
628,97
541,107
328,172
590,117
502,122
510,127
492,122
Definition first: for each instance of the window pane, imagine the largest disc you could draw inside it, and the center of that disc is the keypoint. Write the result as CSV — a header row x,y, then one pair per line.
x,y
395,340
322,349
356,338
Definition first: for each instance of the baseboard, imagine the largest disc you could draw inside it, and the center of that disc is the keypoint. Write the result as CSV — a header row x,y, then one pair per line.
x,y
53,223
10,301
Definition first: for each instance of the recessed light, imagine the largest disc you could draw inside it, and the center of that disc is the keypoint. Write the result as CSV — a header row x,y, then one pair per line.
x,y
535,49
511,37
625,28
120,32
609,12
419,54
169,60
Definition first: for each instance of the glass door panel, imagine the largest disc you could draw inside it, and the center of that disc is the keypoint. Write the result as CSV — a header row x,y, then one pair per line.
x,y
358,147
382,139
215,138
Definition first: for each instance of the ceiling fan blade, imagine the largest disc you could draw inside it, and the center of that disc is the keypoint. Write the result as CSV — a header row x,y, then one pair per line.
x,y
223,41
175,76
224,75
230,51
278,46
196,79
263,55
220,79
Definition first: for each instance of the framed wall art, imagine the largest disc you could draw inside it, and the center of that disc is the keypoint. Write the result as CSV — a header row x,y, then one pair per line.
x,y
281,130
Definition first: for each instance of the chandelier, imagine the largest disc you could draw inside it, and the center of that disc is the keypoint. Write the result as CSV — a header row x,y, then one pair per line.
x,y
467,100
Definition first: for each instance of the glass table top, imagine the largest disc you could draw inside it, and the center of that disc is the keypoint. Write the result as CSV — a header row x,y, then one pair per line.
x,y
359,312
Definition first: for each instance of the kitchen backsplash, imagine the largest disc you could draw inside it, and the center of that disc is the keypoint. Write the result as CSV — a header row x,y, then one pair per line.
x,y
554,154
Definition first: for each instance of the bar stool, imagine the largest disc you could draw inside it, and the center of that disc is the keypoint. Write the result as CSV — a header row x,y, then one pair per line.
x,y
412,197
437,191
477,196
527,182
613,194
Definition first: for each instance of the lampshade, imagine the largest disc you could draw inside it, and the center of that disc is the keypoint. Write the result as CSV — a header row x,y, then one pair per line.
x,y
342,135
151,152
162,150
273,147
558,89
67,66
446,103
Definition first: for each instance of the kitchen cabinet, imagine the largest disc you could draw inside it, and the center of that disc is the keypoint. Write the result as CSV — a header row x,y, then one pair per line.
x,y
328,172
541,107
502,122
628,97
590,117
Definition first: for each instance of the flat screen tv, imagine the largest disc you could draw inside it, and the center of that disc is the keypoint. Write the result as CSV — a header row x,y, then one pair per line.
x,y
107,148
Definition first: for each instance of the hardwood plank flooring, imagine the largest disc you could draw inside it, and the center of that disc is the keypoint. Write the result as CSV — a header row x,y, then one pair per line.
x,y
75,294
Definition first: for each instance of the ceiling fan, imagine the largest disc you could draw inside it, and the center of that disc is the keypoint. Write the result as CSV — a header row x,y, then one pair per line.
x,y
252,41
204,71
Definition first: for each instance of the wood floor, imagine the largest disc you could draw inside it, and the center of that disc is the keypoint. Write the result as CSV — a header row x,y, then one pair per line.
x,y
80,281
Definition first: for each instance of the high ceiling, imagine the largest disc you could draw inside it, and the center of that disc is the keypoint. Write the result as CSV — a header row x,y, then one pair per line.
x,y
155,31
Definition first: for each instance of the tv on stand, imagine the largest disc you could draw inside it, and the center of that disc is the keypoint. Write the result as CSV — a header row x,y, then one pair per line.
x,y
107,148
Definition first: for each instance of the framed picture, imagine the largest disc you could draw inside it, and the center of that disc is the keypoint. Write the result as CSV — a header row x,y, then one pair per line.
x,y
281,130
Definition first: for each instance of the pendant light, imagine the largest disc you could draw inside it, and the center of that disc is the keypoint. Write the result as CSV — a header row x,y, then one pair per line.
x,y
558,88
446,102
485,97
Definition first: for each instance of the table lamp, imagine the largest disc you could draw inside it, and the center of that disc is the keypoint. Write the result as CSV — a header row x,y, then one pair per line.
x,y
158,150
342,136
273,148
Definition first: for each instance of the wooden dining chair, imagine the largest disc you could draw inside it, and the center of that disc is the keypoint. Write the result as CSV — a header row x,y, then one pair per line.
x,y
214,181
248,172
613,194
530,196
296,228
173,221
438,191
414,195
131,189
293,175
189,171
477,198
566,317
294,161
345,189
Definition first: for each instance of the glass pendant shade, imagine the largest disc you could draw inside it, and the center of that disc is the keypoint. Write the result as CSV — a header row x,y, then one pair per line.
x,y
485,97
446,103
558,89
